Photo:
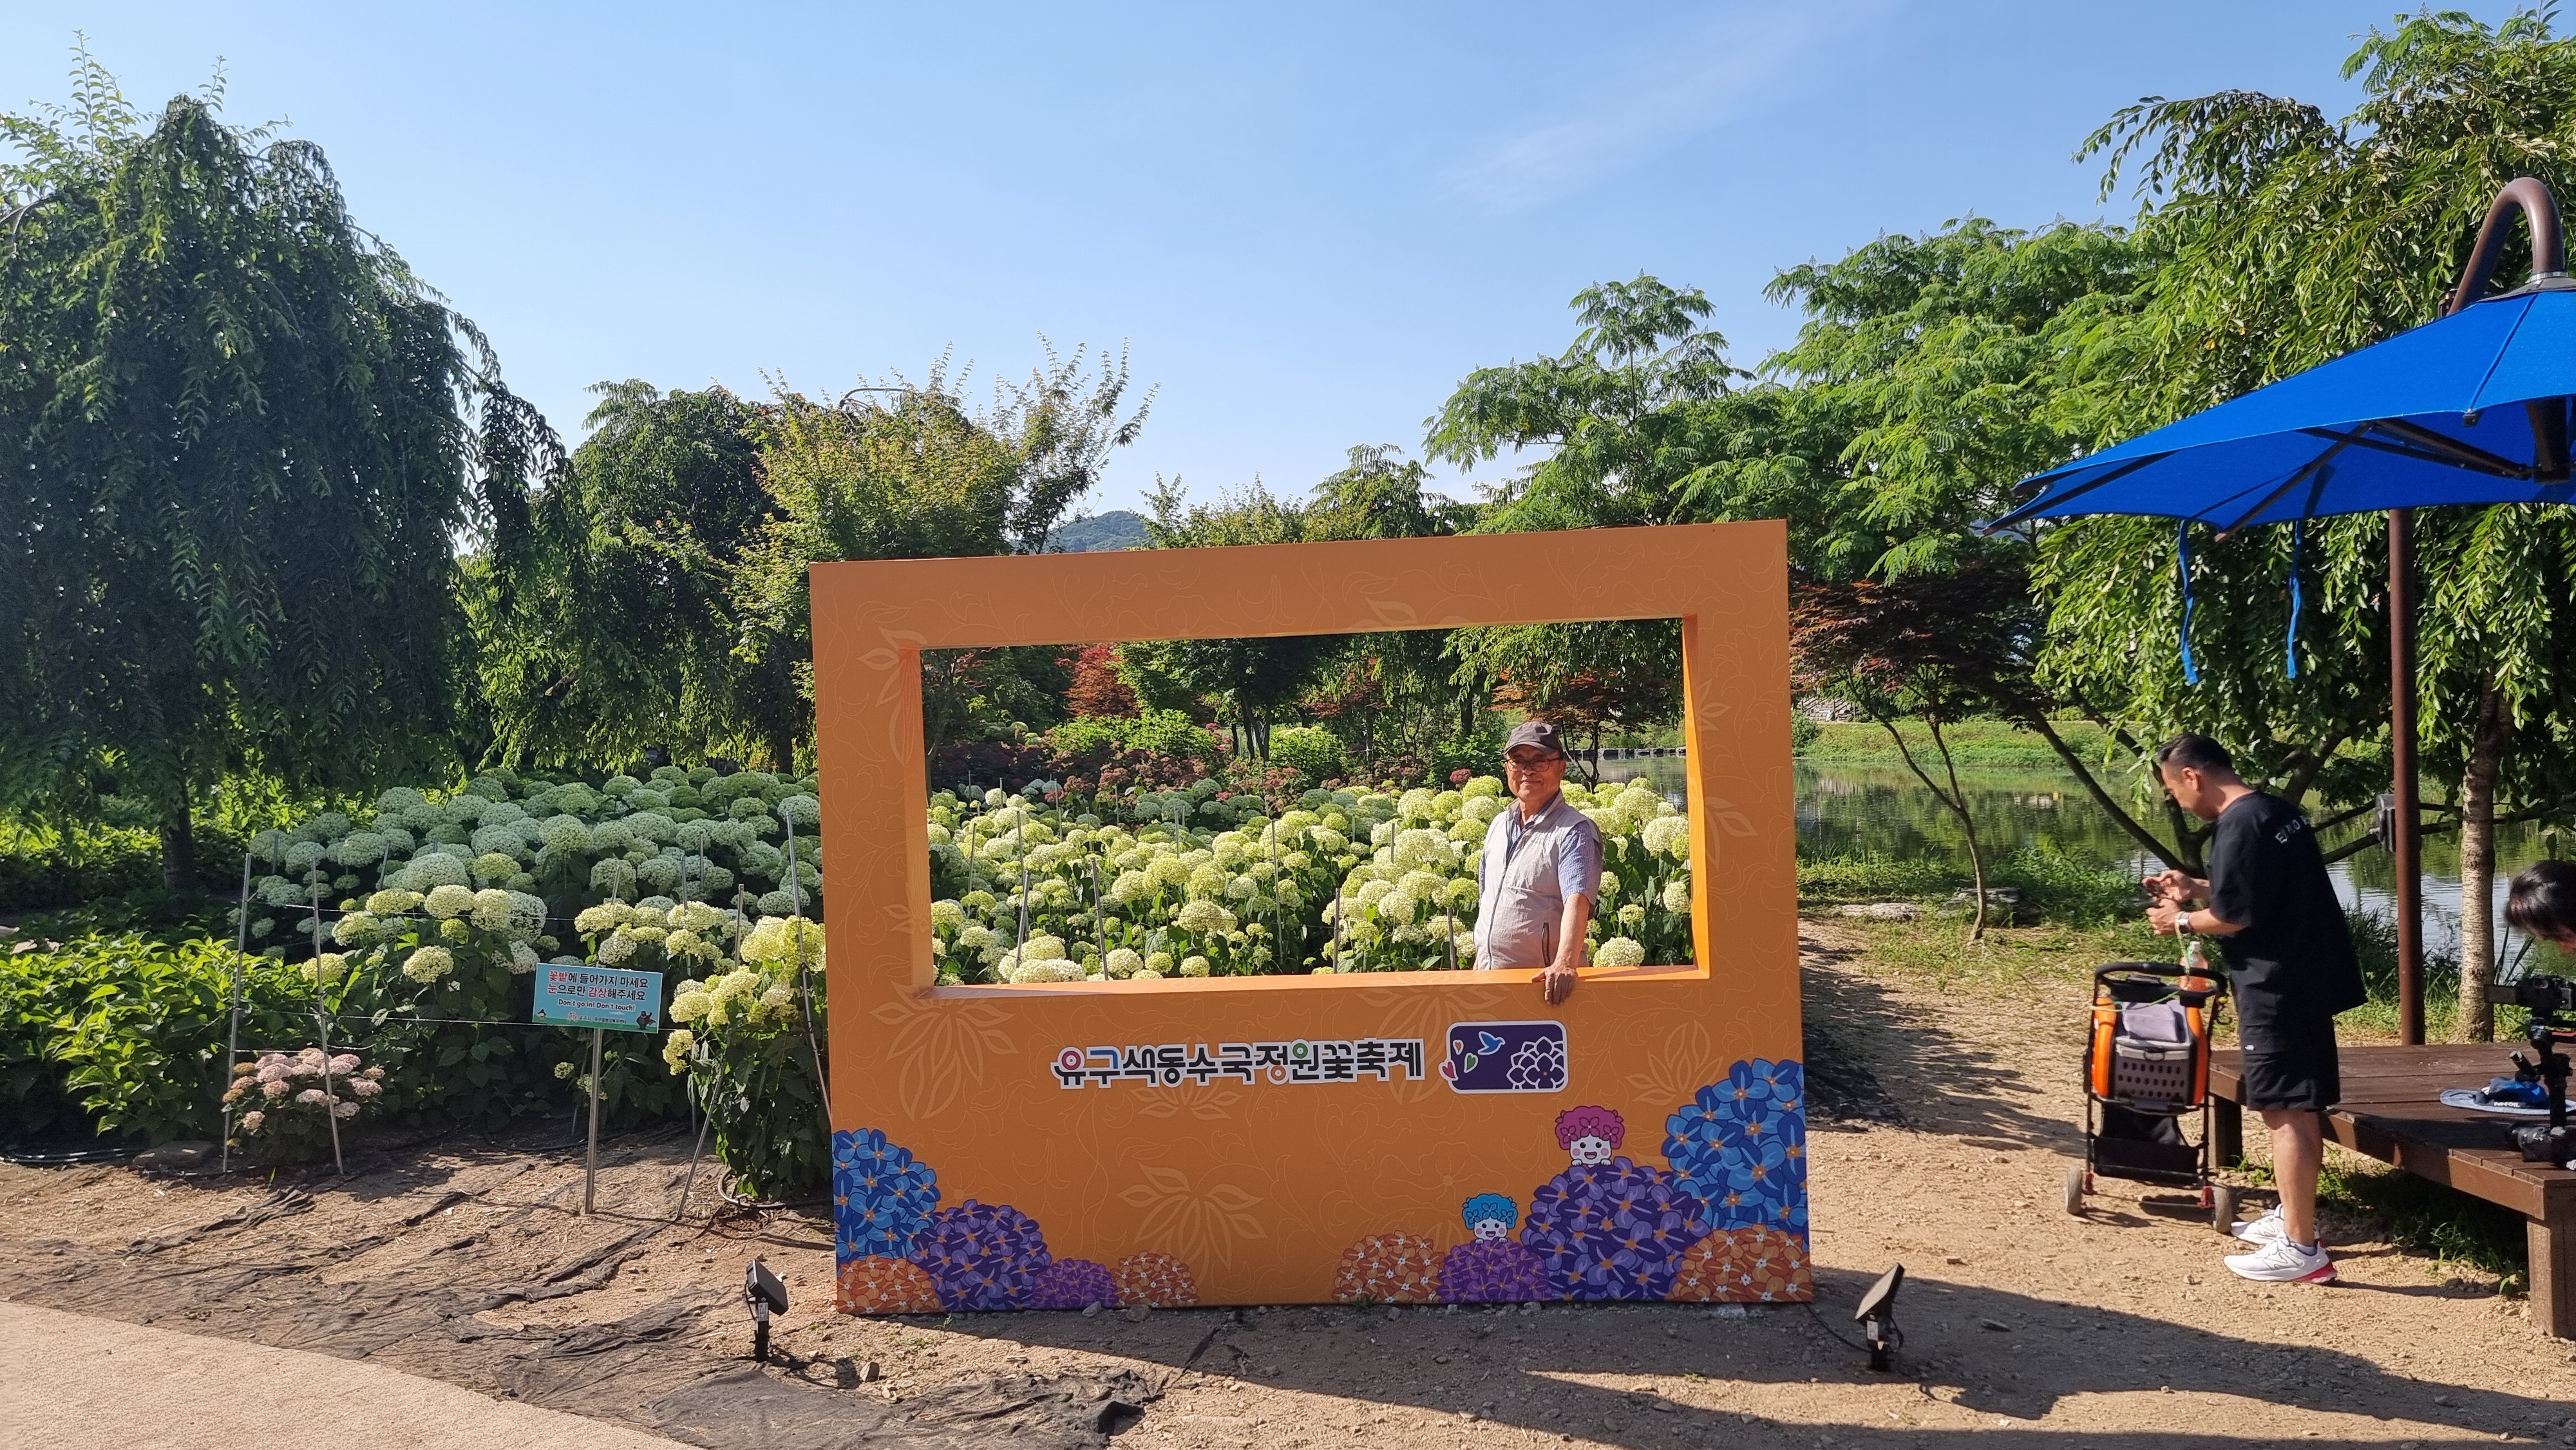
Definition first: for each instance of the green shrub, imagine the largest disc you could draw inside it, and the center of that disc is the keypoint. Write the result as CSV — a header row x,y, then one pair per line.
x,y
1156,732
42,868
1311,750
1804,730
128,1032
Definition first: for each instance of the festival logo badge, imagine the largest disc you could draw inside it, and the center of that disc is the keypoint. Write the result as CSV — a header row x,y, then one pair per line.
x,y
1506,1057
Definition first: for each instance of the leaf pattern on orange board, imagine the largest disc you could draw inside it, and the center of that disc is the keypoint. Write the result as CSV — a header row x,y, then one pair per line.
x,y
1686,1062
1412,1012
943,1046
1206,1102
1199,1226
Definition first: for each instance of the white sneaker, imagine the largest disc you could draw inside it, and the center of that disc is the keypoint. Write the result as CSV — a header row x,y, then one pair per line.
x,y
2282,1262
2264,1230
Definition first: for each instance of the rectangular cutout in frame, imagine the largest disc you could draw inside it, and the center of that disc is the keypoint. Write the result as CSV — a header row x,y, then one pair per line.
x,y
1290,1138
1142,844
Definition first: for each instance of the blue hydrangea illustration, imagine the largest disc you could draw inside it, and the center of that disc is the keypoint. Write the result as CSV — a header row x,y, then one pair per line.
x,y
1614,1230
982,1256
1740,1146
882,1197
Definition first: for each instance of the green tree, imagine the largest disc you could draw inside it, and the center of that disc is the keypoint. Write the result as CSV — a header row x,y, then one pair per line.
x,y
625,627
1614,417
242,439
914,472
2290,239
1247,683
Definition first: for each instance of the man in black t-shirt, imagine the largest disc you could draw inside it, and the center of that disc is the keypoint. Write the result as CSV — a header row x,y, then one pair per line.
x,y
2273,912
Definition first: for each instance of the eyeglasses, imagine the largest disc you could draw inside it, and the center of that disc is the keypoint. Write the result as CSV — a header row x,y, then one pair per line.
x,y
1535,762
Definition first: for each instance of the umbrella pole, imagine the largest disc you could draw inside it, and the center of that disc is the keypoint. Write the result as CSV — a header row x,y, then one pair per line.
x,y
2401,737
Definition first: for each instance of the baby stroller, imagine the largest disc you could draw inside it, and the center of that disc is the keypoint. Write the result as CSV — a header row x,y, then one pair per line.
x,y
2146,1064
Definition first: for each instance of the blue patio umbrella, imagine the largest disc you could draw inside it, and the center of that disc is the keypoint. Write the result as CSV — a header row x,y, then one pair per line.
x,y
2469,409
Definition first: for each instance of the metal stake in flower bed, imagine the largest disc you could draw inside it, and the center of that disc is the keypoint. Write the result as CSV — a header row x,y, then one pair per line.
x,y
232,1034
322,1025
796,896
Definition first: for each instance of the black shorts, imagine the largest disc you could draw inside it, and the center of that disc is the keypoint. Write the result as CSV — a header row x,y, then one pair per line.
x,y
2291,1063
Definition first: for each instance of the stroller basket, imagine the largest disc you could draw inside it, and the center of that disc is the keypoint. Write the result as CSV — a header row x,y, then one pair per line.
x,y
2157,1057
2150,1047
2146,1065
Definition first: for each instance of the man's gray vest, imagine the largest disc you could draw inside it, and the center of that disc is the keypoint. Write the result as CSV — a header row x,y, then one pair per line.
x,y
1523,907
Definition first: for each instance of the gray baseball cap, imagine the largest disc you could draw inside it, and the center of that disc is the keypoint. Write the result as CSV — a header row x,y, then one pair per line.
x,y
1534,732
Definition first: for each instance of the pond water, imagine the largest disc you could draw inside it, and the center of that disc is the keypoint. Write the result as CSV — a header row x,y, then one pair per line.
x,y
1858,809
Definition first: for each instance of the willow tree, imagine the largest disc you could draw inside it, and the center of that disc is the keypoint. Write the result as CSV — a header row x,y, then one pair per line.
x,y
240,442
2291,239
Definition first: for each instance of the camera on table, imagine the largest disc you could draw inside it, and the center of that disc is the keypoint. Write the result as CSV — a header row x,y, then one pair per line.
x,y
2546,996
2547,999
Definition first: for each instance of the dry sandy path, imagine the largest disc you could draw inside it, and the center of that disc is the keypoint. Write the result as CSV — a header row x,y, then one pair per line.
x,y
77,1383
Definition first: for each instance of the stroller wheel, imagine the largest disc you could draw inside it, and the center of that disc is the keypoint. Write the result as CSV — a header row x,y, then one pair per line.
x,y
2077,1181
2222,1216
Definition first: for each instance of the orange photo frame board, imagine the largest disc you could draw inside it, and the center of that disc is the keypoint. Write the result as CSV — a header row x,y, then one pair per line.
x,y
1292,1139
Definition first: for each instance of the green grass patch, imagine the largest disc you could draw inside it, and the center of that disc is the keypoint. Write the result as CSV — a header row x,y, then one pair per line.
x,y
1982,744
1937,950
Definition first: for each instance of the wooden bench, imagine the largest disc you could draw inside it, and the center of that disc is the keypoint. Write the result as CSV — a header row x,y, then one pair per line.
x,y
2391,1111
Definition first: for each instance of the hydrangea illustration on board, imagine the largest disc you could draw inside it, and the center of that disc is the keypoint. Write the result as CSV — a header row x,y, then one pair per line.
x,y
1614,1230
1491,1269
1158,1281
1741,1146
982,1256
1073,1284
1538,1066
1397,1268
1590,1135
876,1285
1745,1265
881,1196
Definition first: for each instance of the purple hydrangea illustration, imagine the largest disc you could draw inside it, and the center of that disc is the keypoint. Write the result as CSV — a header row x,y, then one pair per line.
x,y
1614,1230
881,1196
1741,1146
982,1256
1493,1271
1073,1284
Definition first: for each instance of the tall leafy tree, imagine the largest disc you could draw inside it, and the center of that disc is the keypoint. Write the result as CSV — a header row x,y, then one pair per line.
x,y
241,439
916,471
624,628
2291,238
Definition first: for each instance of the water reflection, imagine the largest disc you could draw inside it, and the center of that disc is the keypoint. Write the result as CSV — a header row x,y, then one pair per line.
x,y
1854,810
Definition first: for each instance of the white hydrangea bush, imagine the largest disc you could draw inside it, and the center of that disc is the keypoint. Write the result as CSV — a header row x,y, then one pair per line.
x,y
437,907
1349,880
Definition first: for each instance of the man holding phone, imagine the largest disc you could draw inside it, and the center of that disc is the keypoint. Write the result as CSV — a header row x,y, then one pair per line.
x,y
2274,914
1541,870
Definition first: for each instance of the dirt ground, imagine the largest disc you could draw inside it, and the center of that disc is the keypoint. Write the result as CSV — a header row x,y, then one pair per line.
x,y
466,1261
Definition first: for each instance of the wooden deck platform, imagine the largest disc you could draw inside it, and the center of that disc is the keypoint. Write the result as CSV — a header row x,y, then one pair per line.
x,y
2391,1111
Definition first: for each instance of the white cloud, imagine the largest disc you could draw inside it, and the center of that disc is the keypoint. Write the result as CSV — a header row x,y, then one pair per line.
x,y
1670,88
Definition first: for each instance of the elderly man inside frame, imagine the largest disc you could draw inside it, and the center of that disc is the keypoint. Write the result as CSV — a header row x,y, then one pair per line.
x,y
1541,871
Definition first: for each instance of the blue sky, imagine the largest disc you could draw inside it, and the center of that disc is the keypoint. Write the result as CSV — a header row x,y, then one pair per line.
x,y
1302,223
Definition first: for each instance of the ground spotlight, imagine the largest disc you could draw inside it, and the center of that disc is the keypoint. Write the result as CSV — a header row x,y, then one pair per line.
x,y
1877,1317
762,1291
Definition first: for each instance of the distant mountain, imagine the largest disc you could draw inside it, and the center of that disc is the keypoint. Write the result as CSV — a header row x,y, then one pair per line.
x,y
1118,529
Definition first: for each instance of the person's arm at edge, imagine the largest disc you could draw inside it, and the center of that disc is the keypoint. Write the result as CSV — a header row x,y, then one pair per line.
x,y
1557,982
